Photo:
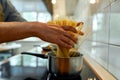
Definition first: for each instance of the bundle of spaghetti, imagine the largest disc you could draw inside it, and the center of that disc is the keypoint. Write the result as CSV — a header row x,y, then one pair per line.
x,y
62,51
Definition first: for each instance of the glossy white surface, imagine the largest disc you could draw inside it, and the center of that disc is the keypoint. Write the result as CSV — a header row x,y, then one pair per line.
x,y
115,24
104,44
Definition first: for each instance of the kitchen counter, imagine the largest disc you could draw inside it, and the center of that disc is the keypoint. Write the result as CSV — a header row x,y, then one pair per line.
x,y
8,49
10,46
100,71
20,67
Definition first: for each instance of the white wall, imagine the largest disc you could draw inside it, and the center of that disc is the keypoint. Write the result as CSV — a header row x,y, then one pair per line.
x,y
104,44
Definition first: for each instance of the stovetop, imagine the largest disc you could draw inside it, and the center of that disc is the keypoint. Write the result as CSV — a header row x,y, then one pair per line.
x,y
53,77
20,68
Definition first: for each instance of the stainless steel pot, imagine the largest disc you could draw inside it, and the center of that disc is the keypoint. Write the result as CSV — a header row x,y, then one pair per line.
x,y
62,66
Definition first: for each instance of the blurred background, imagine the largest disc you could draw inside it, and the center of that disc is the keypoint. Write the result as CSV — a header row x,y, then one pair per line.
x,y
101,16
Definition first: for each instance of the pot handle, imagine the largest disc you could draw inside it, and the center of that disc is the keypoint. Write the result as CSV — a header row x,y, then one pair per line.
x,y
36,54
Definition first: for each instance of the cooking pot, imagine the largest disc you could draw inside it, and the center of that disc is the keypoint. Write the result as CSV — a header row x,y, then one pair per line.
x,y
60,66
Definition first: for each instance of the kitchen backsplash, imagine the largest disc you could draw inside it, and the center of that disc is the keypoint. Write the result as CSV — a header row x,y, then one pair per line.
x,y
103,18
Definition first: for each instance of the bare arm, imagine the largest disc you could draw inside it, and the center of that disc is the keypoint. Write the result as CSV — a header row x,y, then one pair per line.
x,y
10,31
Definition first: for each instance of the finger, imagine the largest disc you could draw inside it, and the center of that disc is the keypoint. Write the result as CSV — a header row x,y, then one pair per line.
x,y
69,28
68,41
71,37
53,25
80,32
80,23
64,44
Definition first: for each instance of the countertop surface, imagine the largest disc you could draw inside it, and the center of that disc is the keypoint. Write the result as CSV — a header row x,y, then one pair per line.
x,y
21,66
5,46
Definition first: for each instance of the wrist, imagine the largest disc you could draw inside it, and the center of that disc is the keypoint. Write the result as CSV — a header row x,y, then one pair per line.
x,y
32,28
36,28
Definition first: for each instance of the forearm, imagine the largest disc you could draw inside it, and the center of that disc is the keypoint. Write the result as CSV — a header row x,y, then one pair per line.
x,y
10,31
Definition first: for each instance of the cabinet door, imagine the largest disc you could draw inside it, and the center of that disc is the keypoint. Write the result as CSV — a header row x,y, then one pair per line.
x,y
115,23
98,51
112,1
101,30
114,60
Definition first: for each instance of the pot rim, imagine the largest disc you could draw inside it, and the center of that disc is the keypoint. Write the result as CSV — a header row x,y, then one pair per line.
x,y
81,55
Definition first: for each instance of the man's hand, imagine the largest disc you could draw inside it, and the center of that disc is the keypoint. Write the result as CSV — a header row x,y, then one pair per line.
x,y
57,34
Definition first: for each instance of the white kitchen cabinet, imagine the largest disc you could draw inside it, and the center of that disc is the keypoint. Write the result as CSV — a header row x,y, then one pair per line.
x,y
114,60
115,23
100,25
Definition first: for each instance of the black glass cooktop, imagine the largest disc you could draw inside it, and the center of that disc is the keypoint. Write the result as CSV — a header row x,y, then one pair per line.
x,y
26,67
52,77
